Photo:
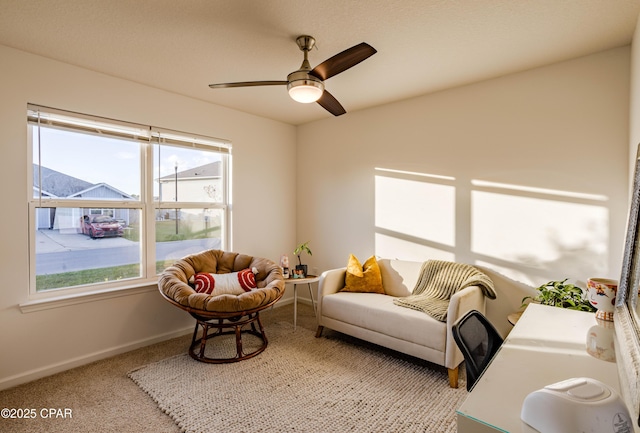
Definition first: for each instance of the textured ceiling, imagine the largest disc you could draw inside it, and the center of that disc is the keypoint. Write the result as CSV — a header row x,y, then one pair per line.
x,y
423,45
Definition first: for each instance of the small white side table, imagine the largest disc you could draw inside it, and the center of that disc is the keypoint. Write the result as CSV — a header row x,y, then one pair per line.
x,y
308,280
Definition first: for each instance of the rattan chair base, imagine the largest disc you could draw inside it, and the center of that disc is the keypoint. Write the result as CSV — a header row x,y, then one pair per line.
x,y
218,327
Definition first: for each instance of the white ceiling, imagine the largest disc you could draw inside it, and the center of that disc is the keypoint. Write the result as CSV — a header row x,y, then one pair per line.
x,y
423,45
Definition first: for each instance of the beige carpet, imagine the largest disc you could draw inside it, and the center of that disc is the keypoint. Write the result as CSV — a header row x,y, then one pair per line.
x,y
105,400
303,384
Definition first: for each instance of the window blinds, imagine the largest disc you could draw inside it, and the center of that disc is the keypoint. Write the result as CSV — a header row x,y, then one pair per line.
x,y
51,117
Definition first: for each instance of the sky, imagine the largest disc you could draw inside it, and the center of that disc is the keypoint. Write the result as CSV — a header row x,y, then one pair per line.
x,y
113,161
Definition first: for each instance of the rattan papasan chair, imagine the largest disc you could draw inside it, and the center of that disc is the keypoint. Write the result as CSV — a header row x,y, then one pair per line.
x,y
193,284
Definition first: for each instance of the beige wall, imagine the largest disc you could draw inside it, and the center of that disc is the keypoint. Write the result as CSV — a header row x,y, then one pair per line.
x,y
553,140
43,342
562,129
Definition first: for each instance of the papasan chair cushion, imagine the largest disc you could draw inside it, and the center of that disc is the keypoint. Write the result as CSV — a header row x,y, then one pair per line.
x,y
174,282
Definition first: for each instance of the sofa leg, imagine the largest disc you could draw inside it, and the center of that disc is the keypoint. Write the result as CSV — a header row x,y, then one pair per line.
x,y
453,377
319,331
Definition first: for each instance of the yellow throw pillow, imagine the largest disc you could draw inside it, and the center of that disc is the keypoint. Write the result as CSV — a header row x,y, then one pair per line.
x,y
363,278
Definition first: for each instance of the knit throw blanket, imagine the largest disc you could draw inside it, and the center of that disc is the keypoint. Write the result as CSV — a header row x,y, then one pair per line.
x,y
438,281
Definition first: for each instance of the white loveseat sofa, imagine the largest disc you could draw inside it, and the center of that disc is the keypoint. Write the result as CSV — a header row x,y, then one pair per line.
x,y
374,317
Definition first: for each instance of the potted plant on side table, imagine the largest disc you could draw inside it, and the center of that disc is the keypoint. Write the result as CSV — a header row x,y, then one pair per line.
x,y
301,270
561,294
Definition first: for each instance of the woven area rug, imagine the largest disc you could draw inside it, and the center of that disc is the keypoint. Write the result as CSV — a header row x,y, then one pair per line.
x,y
305,384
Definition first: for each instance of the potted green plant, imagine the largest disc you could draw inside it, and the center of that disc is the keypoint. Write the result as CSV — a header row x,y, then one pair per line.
x,y
561,294
300,268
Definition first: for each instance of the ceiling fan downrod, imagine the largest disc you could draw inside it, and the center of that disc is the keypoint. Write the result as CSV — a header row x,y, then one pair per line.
x,y
302,86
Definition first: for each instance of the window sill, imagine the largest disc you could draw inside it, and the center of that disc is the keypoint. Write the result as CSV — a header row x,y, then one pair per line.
x,y
81,298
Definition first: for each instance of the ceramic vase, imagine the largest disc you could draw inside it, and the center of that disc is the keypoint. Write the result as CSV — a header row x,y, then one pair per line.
x,y
601,341
602,295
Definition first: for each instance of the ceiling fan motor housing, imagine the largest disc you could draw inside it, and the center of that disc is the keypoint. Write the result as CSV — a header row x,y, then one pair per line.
x,y
303,87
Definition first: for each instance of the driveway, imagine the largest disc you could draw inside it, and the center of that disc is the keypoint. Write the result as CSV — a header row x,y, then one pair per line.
x,y
64,252
51,241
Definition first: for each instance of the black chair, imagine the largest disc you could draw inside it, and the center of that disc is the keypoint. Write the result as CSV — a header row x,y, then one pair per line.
x,y
478,341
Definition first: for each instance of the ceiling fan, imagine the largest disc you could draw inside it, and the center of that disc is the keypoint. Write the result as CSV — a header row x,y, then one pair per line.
x,y
307,85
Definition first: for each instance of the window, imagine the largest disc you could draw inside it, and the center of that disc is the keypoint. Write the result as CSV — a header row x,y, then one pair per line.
x,y
114,203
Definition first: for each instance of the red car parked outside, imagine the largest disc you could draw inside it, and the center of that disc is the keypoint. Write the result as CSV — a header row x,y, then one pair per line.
x,y
100,226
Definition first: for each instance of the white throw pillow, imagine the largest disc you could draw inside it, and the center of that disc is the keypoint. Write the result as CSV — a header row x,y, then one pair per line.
x,y
234,283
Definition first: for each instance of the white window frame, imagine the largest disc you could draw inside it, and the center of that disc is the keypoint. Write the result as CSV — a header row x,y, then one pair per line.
x,y
148,136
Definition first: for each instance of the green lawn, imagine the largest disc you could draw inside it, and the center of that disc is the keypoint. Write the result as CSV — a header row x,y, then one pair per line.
x,y
89,276
165,232
92,276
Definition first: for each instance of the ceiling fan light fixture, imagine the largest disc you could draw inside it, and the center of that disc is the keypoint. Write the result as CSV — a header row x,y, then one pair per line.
x,y
305,90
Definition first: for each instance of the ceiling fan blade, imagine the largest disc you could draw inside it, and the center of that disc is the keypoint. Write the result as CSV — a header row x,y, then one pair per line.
x,y
247,84
343,61
331,104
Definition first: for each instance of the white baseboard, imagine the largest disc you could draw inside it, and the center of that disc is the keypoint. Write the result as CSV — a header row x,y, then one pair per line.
x,y
289,301
39,373
283,302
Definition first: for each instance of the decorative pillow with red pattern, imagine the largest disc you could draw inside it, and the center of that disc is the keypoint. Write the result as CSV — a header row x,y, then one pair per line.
x,y
234,283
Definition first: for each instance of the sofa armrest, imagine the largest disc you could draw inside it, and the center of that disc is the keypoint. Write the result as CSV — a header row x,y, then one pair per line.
x,y
331,281
469,298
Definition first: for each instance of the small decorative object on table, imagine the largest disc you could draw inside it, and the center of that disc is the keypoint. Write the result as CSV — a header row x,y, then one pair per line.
x,y
601,341
284,264
602,295
301,270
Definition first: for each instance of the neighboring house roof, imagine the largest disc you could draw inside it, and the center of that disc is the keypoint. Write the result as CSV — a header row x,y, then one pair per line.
x,y
44,193
60,185
57,184
211,170
108,192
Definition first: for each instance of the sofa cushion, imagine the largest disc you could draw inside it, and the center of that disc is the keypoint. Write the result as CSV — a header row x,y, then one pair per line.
x,y
363,278
378,313
399,277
